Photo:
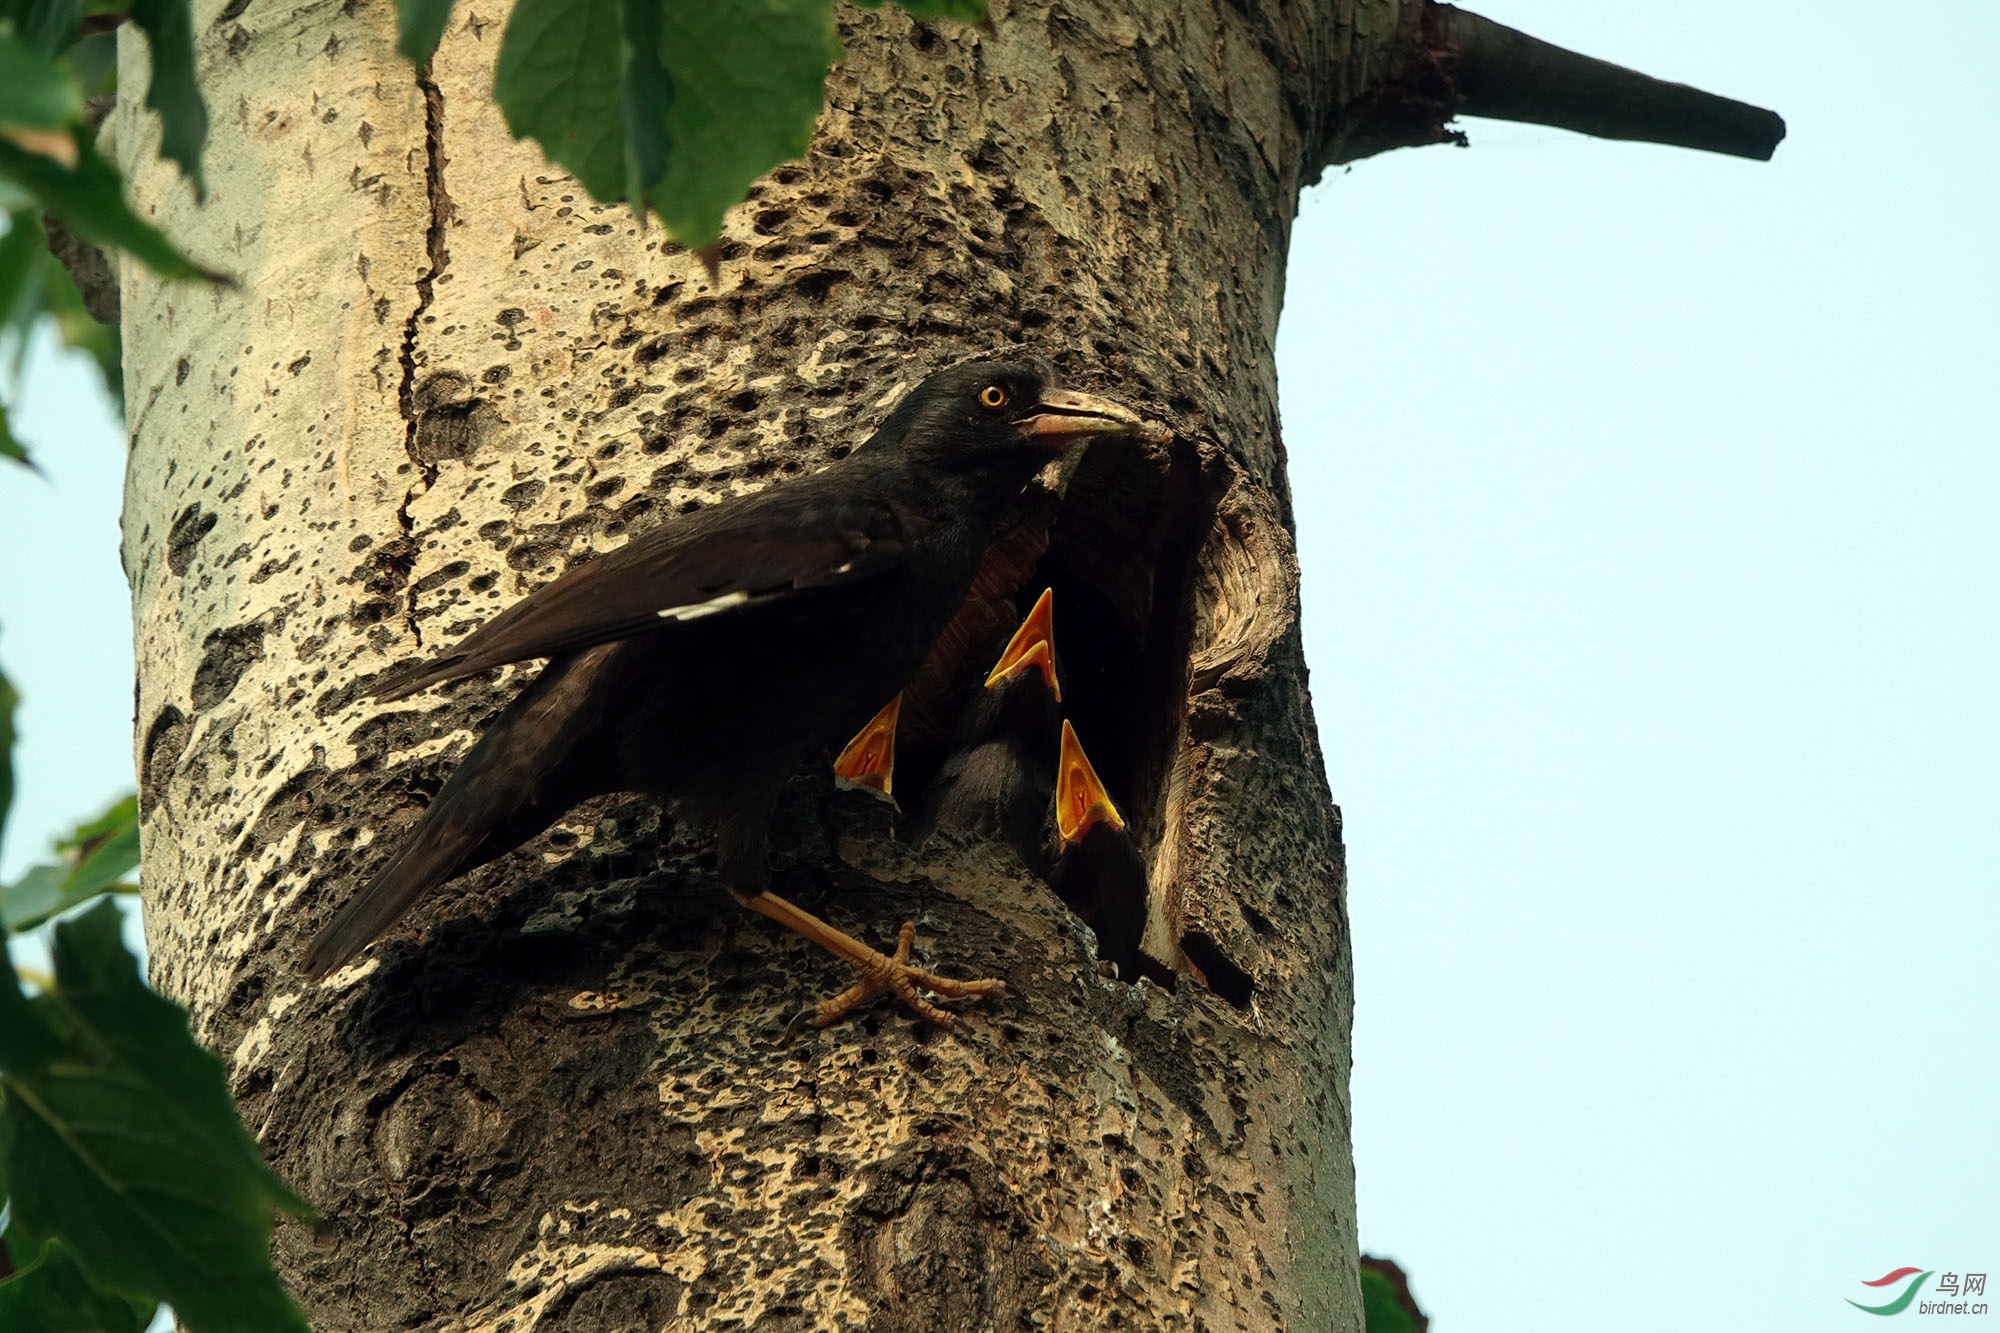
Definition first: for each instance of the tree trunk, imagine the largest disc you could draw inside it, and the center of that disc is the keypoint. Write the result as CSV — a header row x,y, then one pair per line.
x,y
568,1094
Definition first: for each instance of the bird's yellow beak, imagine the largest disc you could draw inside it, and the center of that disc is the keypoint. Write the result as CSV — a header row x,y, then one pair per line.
x,y
1081,800
1033,647
1062,416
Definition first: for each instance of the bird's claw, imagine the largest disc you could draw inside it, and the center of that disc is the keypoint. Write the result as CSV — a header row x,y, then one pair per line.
x,y
893,973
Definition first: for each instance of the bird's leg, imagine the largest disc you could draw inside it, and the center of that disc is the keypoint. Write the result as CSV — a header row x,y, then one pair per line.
x,y
879,971
869,760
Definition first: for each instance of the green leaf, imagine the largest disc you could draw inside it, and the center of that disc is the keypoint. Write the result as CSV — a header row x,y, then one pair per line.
x,y
28,1044
173,91
420,27
11,448
23,250
967,11
34,90
734,91
79,329
1382,1308
646,98
10,698
95,858
89,198
128,1150
557,83
120,820
747,89
50,1294
33,898
34,287
47,26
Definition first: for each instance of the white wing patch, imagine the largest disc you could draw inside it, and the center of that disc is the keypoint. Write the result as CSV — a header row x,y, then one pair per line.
x,y
696,610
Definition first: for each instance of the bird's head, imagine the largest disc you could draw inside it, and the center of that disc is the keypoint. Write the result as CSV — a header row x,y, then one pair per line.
x,y
985,413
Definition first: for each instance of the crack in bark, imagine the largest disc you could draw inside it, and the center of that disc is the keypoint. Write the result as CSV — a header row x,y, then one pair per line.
x,y
437,257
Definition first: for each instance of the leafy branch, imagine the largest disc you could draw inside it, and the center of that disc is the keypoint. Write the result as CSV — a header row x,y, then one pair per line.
x,y
126,1179
129,1180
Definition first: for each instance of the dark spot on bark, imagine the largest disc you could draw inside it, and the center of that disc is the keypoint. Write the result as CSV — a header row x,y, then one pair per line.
x,y
941,1244
450,419
336,699
1224,977
225,655
161,754
361,543
816,284
181,369
300,364
232,11
523,493
451,573
621,1302
385,571
527,556
190,526
771,220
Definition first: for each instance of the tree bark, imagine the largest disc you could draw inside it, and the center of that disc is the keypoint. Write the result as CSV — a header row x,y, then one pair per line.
x,y
569,1093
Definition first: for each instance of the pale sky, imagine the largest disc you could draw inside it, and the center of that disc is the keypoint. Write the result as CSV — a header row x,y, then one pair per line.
x,y
1650,516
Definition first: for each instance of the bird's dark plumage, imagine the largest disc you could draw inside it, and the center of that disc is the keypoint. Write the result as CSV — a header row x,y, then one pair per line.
x,y
703,661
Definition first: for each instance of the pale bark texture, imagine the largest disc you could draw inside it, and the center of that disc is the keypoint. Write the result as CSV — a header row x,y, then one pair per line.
x,y
568,1093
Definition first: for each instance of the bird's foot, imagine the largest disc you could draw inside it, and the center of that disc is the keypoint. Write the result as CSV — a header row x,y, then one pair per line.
x,y
879,971
892,972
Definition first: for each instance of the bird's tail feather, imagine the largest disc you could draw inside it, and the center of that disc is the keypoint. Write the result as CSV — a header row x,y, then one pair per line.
x,y
431,856
535,761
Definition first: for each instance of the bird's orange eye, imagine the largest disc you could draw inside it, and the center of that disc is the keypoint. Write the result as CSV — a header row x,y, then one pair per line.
x,y
993,396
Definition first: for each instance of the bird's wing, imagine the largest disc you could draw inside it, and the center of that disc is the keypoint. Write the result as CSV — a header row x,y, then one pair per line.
x,y
719,563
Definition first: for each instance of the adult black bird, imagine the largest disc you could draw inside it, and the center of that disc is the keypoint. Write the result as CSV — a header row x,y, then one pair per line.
x,y
704,660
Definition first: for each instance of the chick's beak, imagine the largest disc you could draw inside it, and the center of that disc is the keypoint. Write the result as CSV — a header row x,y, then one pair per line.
x,y
1062,416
